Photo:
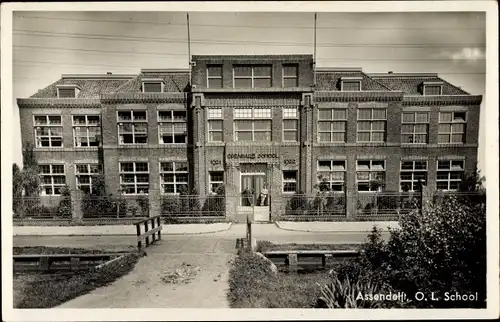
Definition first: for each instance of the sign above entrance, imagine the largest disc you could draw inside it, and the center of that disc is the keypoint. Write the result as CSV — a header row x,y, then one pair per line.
x,y
253,156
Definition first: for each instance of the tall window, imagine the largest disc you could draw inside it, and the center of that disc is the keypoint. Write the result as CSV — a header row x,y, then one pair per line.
x,y
52,178
215,125
372,124
332,124
415,127
216,180
333,173
290,124
290,181
134,177
86,130
411,173
173,176
256,76
48,131
132,127
451,127
290,75
370,175
351,85
252,124
449,174
172,127
84,173
214,76
432,89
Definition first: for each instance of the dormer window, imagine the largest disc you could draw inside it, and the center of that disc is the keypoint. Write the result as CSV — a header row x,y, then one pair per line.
x,y
432,88
152,85
350,84
67,91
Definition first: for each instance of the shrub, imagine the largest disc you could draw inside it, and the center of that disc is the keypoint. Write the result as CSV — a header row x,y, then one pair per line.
x,y
170,204
297,205
65,208
215,205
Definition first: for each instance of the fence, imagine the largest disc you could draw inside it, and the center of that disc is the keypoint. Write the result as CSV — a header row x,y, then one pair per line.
x,y
193,206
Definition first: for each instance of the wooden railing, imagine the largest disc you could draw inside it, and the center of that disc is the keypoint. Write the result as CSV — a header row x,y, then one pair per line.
x,y
156,227
60,262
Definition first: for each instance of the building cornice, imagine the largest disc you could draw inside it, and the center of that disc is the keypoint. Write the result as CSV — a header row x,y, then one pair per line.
x,y
130,98
254,90
58,102
443,100
339,96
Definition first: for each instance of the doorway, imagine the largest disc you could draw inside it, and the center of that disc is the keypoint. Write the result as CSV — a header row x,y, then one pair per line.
x,y
254,189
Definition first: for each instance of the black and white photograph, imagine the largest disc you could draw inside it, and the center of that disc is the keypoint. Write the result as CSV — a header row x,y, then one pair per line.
x,y
177,157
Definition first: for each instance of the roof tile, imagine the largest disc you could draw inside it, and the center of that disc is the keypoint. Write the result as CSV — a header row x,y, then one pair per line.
x,y
410,84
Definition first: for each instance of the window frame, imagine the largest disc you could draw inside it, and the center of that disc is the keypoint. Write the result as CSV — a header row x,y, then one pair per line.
x,y
160,81
425,86
252,119
174,172
372,120
414,125
87,125
370,190
134,173
252,76
332,121
132,121
295,118
215,184
451,123
51,174
172,122
215,119
449,180
332,183
215,77
48,126
89,174
285,181
413,183
284,77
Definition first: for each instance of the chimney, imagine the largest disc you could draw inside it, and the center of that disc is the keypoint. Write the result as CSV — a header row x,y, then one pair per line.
x,y
109,73
390,72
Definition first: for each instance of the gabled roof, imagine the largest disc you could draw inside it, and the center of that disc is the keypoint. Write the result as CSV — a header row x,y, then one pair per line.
x,y
329,79
410,84
91,86
174,80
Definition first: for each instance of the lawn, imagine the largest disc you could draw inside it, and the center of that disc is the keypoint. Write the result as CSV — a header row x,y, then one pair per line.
x,y
50,290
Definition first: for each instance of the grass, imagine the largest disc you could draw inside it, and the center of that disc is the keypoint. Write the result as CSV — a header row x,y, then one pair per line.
x,y
252,284
50,290
43,250
264,245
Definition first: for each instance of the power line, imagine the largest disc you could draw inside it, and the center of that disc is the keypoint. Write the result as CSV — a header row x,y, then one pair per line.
x,y
230,42
257,26
28,62
97,51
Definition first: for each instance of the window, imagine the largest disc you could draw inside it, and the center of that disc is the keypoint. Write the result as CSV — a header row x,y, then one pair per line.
x,y
66,92
411,173
333,173
52,178
84,173
132,127
432,90
290,124
372,124
173,177
257,76
290,76
48,131
134,177
452,127
332,124
289,181
370,175
252,124
215,125
172,127
351,85
449,174
216,180
214,76
152,86
415,127
86,130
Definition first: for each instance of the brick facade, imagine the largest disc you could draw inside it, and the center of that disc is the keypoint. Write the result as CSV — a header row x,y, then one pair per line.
x,y
203,156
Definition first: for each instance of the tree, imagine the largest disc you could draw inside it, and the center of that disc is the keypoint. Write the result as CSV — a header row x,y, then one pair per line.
x,y
17,189
65,208
26,184
215,205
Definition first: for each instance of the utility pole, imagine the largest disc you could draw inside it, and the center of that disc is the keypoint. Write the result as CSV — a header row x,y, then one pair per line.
x,y
189,48
314,55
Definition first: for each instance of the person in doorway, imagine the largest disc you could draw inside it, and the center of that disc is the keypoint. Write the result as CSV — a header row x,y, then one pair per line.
x,y
263,195
248,196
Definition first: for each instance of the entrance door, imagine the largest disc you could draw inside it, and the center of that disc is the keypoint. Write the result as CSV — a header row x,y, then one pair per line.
x,y
251,187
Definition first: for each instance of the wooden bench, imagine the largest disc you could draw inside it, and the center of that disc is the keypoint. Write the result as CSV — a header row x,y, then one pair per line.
x,y
156,226
72,262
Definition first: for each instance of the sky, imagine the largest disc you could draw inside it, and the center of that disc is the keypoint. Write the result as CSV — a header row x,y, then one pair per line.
x,y
48,44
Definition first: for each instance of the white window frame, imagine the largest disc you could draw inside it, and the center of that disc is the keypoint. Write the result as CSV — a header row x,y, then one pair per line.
x,y
331,182
172,123
371,172
371,120
432,85
252,119
134,173
285,181
333,120
174,172
449,180
47,125
412,182
214,184
209,77
351,80
212,119
290,118
52,174
296,76
75,88
414,125
253,77
152,81
450,123
133,122
88,173
87,125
